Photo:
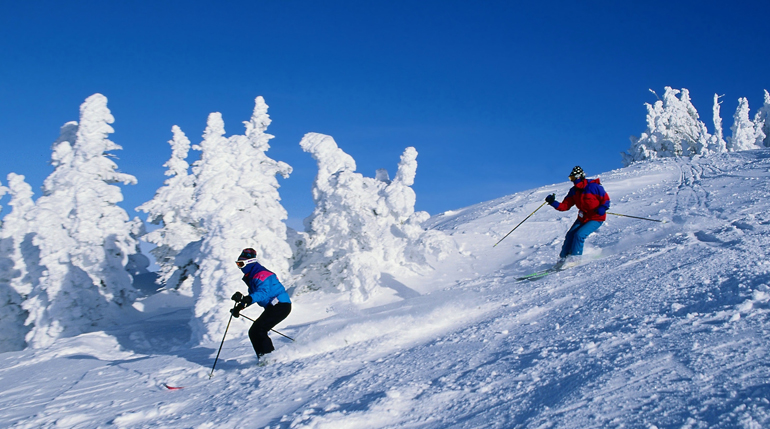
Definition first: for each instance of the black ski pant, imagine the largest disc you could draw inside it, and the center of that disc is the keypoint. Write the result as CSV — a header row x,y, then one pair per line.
x,y
272,316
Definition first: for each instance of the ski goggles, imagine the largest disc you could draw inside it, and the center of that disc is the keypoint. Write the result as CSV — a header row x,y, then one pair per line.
x,y
242,263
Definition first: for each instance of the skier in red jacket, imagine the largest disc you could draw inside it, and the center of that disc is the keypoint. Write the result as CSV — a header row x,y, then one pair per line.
x,y
592,203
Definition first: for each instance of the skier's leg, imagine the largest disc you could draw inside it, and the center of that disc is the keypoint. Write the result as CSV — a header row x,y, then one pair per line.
x,y
272,316
568,240
258,332
580,235
258,336
280,312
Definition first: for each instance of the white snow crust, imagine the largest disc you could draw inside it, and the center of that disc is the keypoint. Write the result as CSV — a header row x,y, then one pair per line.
x,y
664,325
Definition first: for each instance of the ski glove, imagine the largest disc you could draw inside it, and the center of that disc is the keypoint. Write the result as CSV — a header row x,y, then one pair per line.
x,y
601,210
550,199
237,297
236,311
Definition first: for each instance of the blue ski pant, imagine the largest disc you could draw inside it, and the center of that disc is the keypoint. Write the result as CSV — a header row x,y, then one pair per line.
x,y
576,237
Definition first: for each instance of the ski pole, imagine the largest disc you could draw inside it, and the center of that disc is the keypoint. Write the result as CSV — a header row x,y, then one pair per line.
x,y
252,320
220,346
637,217
514,228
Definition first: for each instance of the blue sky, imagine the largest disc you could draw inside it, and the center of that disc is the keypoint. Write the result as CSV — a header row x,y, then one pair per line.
x,y
496,96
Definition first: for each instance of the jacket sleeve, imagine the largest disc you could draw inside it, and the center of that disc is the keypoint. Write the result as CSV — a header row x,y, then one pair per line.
x,y
605,201
566,204
260,291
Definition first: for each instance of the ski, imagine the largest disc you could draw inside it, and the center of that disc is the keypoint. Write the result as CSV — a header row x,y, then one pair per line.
x,y
537,275
556,268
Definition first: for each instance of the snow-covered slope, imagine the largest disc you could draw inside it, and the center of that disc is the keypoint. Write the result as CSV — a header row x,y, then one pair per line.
x,y
666,325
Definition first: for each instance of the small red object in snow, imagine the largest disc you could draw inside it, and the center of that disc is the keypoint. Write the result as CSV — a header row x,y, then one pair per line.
x,y
171,387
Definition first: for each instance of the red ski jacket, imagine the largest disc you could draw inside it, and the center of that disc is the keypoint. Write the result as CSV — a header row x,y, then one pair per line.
x,y
588,196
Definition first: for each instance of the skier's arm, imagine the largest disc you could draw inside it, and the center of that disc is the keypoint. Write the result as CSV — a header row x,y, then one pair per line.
x,y
605,205
566,204
260,293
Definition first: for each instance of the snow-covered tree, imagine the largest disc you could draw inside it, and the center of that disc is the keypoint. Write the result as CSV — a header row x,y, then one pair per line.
x,y
12,316
19,264
238,205
16,238
673,129
717,144
341,249
172,209
762,121
361,226
401,198
138,263
745,134
83,236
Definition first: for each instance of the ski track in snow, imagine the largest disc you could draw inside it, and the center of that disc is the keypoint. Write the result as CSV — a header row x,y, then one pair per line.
x,y
665,326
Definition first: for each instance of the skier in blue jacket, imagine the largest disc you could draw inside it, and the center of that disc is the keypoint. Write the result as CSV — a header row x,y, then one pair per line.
x,y
267,292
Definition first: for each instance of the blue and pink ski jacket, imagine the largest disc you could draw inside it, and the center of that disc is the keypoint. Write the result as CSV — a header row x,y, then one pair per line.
x,y
263,285
588,196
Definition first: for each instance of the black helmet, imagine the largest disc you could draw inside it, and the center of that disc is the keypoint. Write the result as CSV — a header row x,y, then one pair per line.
x,y
577,173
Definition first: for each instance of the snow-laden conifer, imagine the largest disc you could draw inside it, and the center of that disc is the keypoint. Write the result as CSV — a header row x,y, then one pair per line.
x,y
238,205
762,121
172,209
717,143
19,264
421,243
84,238
745,134
16,238
673,129
12,316
361,226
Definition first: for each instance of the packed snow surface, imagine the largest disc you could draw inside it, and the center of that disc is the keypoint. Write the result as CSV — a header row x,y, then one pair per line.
x,y
663,325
